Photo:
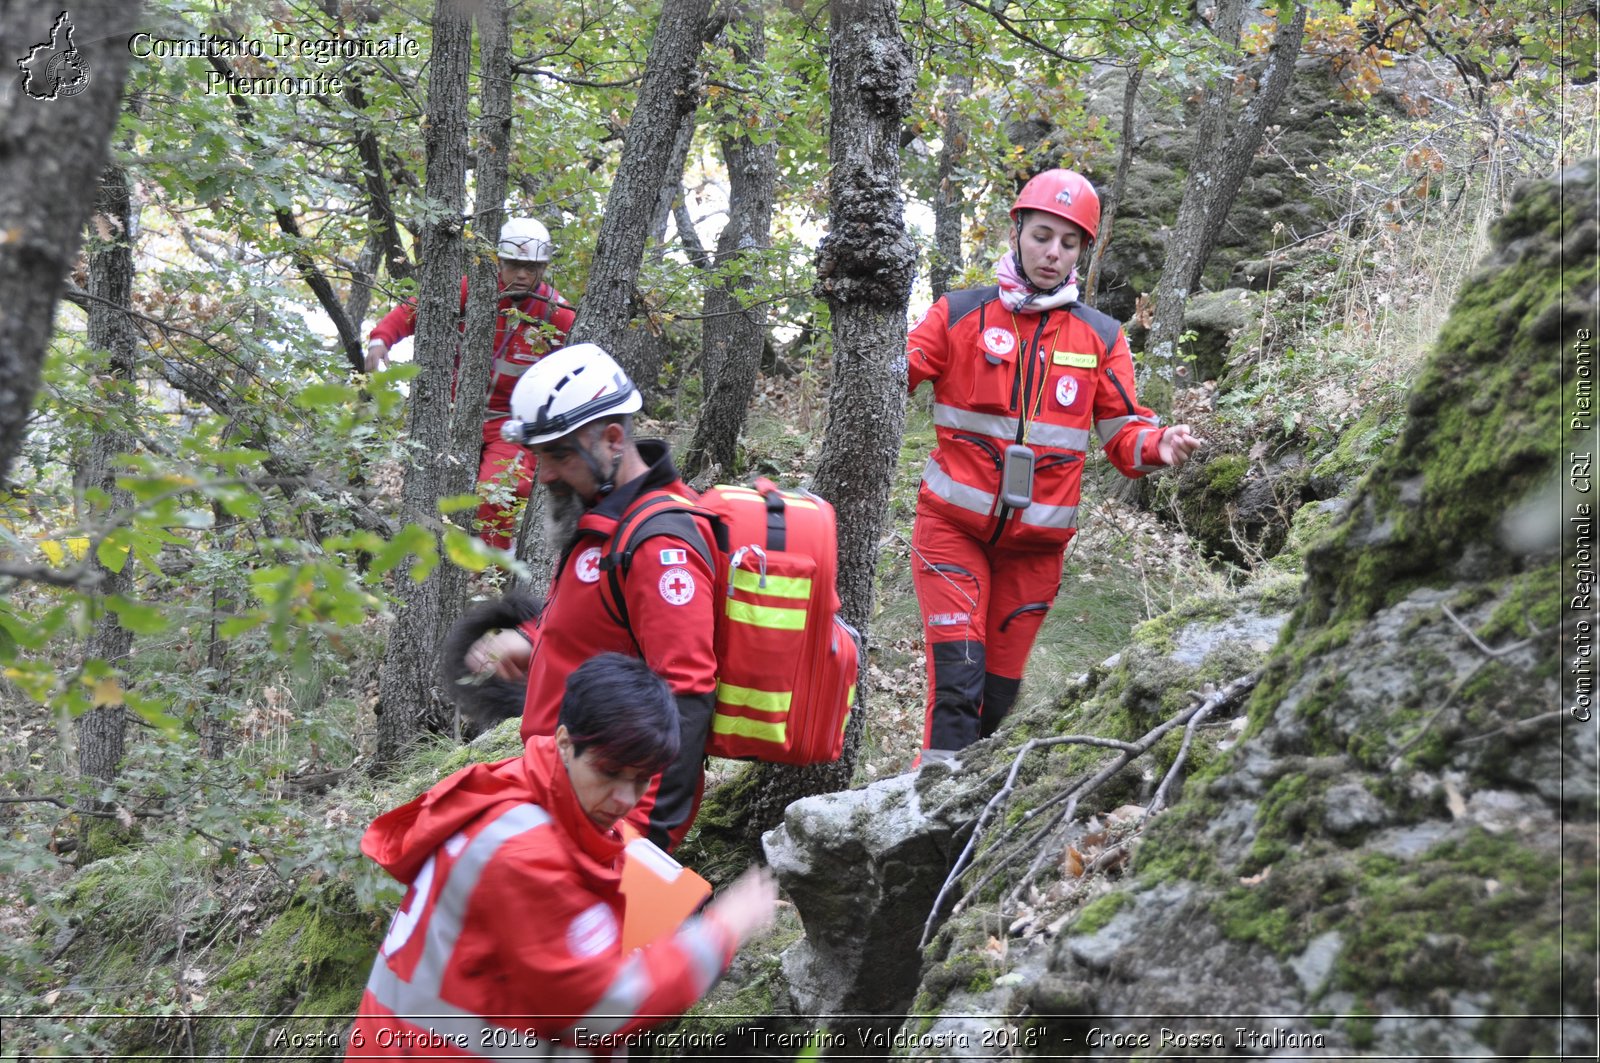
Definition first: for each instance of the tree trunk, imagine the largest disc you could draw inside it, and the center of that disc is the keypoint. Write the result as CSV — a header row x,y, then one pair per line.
x,y
1111,200
669,92
948,204
864,269
1221,159
102,730
732,334
445,456
51,152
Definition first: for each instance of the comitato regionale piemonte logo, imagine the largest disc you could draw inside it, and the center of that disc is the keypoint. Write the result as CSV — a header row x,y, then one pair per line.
x,y
55,68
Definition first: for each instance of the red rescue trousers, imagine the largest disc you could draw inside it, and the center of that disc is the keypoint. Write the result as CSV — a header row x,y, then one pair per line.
x,y
497,523
981,610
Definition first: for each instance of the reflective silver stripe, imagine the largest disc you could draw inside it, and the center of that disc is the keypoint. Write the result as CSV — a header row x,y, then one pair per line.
x,y
1042,516
1138,451
447,1021
1058,436
940,483
989,424
704,946
1112,425
503,367
620,1003
418,1000
1005,428
622,999
444,923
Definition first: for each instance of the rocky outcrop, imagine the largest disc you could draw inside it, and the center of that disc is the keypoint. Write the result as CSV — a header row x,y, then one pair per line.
x,y
1394,854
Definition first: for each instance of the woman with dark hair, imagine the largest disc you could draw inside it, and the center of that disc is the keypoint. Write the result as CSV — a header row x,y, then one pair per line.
x,y
511,936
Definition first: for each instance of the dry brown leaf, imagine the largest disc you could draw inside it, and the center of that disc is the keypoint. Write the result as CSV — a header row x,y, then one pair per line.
x,y
995,947
1073,864
1255,880
107,691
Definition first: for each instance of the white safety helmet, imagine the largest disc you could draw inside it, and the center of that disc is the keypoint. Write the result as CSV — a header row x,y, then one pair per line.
x,y
565,390
524,240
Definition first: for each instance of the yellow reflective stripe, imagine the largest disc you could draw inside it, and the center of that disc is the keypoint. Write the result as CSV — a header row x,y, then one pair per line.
x,y
750,697
772,616
744,727
777,586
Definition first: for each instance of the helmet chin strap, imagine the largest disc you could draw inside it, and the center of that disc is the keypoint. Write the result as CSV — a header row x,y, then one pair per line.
x,y
605,482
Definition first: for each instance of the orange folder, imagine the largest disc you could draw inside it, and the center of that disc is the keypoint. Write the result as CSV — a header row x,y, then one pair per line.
x,y
658,894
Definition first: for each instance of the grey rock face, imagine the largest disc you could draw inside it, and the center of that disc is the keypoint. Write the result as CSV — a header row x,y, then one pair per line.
x,y
863,868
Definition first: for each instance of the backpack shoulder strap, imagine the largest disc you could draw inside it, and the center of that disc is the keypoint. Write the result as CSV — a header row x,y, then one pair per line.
x,y
664,514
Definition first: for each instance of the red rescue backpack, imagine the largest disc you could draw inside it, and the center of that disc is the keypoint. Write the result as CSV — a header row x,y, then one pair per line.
x,y
786,662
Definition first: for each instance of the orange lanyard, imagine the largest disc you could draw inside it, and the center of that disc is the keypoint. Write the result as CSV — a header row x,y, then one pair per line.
x,y
1044,377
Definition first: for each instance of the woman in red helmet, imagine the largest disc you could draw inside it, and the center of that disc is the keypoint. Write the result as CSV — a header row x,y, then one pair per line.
x,y
1021,371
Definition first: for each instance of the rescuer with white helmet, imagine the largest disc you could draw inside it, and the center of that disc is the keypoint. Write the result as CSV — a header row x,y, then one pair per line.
x,y
1021,373
574,410
532,320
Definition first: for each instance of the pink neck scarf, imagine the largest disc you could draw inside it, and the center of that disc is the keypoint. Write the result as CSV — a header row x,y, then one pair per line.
x,y
1017,294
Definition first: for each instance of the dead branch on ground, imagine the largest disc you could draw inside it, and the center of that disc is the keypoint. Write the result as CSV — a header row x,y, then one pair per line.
x,y
1037,842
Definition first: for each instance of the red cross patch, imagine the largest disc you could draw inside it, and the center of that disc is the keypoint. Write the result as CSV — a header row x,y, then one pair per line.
x,y
677,586
587,567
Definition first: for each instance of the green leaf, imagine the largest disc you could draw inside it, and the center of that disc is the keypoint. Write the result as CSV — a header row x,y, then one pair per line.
x,y
469,551
412,539
138,617
324,395
459,503
112,553
232,629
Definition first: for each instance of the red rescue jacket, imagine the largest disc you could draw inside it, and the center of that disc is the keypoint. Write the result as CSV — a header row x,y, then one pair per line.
x,y
517,345
508,940
671,617
1036,378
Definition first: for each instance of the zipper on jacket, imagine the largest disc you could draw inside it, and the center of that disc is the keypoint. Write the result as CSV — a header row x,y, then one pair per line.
x,y
1027,391
1057,459
984,445
1121,391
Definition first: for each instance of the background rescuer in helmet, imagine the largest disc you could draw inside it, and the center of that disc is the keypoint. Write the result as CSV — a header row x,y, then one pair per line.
x,y
574,409
1020,371
532,319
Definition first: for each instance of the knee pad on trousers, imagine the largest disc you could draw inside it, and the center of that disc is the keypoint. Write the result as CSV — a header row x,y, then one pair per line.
x,y
957,694
999,694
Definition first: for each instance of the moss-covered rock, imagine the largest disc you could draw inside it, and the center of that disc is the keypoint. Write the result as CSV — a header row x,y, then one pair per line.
x,y
1391,835
1385,839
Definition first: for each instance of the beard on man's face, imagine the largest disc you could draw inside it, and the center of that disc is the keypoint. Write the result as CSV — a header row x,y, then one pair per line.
x,y
562,511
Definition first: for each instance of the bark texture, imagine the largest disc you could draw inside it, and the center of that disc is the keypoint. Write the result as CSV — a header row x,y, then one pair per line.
x,y
51,152
102,731
948,206
1224,148
864,269
734,329
668,93
1111,199
444,464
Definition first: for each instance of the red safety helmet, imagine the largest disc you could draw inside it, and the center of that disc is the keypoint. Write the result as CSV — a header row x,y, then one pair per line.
x,y
1064,193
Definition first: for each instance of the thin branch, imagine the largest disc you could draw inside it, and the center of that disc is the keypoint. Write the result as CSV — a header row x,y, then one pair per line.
x,y
1501,652
1129,751
1517,726
1160,799
585,83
